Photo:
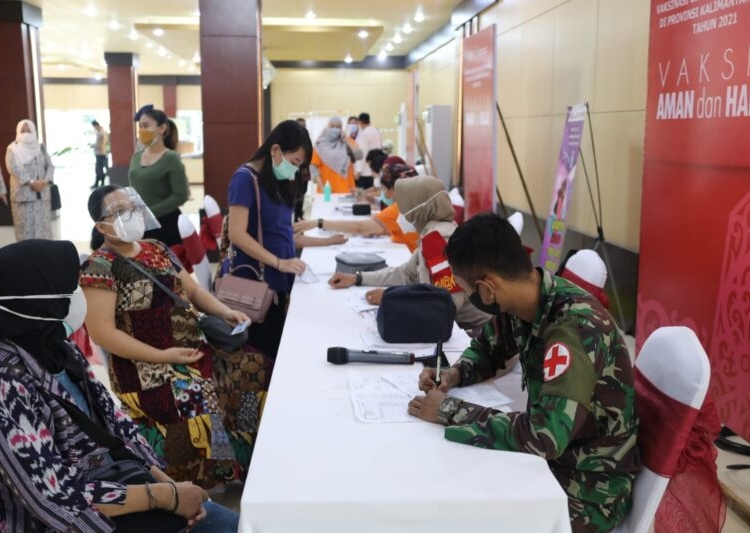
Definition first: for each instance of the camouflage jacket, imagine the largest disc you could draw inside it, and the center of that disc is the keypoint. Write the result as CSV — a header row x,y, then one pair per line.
x,y
580,414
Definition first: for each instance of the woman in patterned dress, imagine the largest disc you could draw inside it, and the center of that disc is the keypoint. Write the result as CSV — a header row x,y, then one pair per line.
x,y
31,172
47,456
198,406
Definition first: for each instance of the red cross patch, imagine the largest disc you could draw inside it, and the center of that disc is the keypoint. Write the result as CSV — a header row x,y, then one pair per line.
x,y
557,360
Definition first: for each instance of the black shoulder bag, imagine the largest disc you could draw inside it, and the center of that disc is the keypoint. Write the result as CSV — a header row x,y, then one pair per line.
x,y
218,331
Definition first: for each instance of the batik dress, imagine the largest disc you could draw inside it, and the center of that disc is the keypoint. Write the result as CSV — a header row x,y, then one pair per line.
x,y
201,418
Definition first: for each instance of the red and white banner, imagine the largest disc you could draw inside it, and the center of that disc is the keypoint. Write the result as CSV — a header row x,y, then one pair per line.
x,y
479,122
695,222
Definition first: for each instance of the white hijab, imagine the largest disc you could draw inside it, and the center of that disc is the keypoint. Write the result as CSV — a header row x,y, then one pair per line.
x,y
26,148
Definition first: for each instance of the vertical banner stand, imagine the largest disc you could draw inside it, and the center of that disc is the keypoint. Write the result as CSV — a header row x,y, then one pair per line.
x,y
599,241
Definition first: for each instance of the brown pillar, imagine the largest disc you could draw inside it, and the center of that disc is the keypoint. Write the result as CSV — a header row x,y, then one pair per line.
x,y
169,93
230,89
122,86
20,75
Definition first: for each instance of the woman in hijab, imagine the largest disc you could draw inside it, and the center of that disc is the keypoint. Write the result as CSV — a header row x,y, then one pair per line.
x,y
48,459
196,404
31,172
332,159
426,208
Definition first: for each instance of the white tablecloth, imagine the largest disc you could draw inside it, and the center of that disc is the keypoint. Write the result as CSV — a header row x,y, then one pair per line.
x,y
316,468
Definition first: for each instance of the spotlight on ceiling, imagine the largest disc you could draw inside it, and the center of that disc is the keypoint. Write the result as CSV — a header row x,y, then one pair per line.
x,y
363,34
348,58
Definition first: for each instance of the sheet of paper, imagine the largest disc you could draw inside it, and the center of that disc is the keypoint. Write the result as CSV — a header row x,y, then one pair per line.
x,y
374,341
376,400
356,300
485,393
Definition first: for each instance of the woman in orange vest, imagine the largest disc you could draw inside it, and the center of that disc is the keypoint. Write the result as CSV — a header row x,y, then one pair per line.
x,y
332,159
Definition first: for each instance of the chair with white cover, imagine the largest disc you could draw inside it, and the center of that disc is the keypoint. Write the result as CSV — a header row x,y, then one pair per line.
x,y
672,373
196,252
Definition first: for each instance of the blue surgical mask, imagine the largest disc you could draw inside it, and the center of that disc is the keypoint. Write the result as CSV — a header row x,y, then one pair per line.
x,y
353,129
385,199
284,171
333,134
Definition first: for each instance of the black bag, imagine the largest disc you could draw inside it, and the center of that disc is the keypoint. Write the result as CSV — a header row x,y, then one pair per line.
x,y
351,262
218,333
416,313
54,196
126,471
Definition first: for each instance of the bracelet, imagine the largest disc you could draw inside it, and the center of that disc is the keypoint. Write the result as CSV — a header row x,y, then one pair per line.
x,y
358,281
151,497
176,497
320,223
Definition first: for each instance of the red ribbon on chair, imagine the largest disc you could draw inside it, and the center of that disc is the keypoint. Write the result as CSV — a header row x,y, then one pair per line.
x,y
665,425
693,501
592,289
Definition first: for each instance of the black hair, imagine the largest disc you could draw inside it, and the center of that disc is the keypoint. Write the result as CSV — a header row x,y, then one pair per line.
x,y
96,199
352,117
375,158
364,117
171,135
290,136
94,123
487,243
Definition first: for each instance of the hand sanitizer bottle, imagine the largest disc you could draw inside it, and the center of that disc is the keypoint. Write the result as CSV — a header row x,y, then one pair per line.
x,y
327,192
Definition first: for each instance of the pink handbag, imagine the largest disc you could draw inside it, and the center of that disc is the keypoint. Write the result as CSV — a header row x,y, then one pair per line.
x,y
252,297
241,294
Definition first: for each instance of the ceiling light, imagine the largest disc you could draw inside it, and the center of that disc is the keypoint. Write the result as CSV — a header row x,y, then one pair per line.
x,y
90,10
348,58
363,34
162,51
389,47
158,32
196,58
133,35
149,44
397,38
407,28
182,62
310,14
382,55
419,16
191,67
169,56
98,76
114,25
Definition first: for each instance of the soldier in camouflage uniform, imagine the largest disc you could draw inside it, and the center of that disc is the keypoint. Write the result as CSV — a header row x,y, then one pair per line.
x,y
580,414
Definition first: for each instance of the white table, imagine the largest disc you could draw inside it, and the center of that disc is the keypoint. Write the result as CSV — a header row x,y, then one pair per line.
x,y
316,468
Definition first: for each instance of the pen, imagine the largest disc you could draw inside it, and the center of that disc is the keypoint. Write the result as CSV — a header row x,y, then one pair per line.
x,y
438,351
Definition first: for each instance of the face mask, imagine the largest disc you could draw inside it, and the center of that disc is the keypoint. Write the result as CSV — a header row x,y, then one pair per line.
x,y
385,199
405,225
146,137
333,134
27,137
353,129
130,230
491,309
284,171
76,310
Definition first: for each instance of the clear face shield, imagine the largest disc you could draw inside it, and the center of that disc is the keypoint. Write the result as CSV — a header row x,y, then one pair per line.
x,y
127,213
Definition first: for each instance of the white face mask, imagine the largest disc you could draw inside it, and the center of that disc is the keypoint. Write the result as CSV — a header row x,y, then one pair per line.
x,y
27,137
130,230
405,225
76,310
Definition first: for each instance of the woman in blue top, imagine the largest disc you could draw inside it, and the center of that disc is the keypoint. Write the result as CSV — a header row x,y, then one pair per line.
x,y
274,165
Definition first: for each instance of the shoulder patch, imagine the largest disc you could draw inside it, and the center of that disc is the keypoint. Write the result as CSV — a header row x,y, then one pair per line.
x,y
557,360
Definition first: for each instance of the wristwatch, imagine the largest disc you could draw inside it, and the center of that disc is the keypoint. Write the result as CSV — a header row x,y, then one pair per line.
x,y
320,223
358,282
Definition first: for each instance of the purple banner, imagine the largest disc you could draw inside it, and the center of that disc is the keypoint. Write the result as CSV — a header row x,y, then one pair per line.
x,y
554,233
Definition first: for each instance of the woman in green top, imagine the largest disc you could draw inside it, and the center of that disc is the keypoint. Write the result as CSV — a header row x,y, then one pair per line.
x,y
157,173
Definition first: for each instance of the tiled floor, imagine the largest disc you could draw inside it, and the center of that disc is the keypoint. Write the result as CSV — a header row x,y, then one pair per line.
x,y
75,225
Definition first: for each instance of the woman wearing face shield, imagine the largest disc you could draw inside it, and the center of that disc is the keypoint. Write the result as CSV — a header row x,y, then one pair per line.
x,y
47,457
332,159
157,173
426,208
31,172
196,404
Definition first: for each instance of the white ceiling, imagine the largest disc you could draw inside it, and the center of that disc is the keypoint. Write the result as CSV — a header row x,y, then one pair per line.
x,y
75,37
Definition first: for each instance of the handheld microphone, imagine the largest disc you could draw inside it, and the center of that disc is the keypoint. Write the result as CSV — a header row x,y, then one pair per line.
x,y
340,356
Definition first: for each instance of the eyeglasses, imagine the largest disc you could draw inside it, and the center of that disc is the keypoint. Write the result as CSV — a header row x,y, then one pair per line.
x,y
124,214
